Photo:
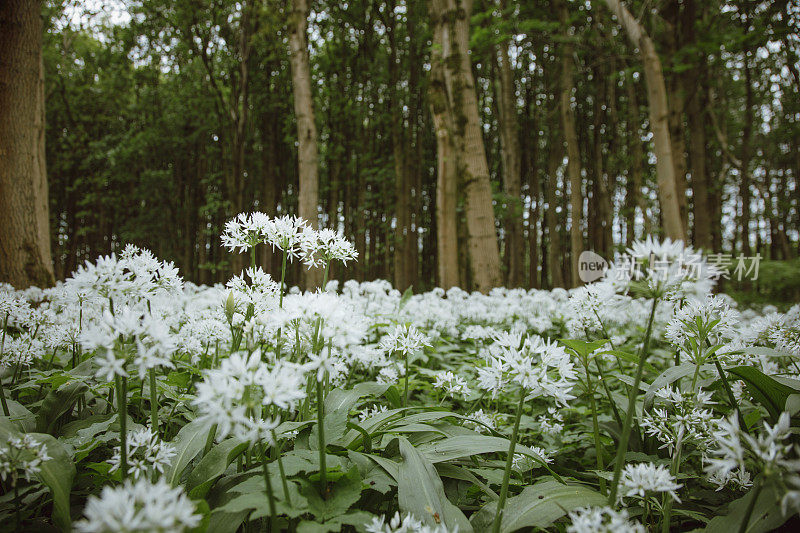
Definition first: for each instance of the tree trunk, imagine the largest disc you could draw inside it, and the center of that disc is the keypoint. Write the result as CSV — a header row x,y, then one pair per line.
x,y
511,161
447,271
744,169
573,151
450,20
635,198
24,212
554,249
307,154
659,120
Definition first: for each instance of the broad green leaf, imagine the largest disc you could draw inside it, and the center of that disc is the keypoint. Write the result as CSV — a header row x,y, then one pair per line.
x,y
420,491
189,441
57,403
338,404
766,515
342,494
213,465
583,348
538,506
670,376
767,392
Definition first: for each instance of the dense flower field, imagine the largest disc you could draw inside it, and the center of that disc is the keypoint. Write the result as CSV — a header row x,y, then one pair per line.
x,y
134,401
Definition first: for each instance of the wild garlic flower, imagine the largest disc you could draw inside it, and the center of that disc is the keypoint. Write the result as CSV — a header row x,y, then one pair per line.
x,y
369,412
697,322
235,396
325,246
645,478
681,418
551,423
245,231
736,452
540,367
21,351
407,524
787,339
404,340
451,384
139,506
21,456
522,463
261,291
590,304
146,453
603,520
485,419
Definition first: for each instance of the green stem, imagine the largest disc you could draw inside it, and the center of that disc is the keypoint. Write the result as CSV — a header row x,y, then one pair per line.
x,y
729,392
153,401
596,429
285,484
270,494
498,517
756,490
6,412
323,468
668,500
122,409
17,519
626,428
405,386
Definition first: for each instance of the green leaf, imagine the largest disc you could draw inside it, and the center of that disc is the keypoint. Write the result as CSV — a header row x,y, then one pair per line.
x,y
213,465
669,376
338,404
57,472
189,441
58,402
766,516
583,348
341,496
420,491
538,506
407,294
767,392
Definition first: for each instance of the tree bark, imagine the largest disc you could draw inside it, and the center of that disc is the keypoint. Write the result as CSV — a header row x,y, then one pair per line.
x,y
450,20
573,151
307,151
511,162
447,268
659,120
554,249
24,212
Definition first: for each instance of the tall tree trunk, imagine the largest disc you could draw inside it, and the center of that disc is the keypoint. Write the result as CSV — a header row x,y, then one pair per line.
x,y
24,212
450,20
695,102
307,151
571,139
511,161
744,170
554,250
447,269
635,198
659,120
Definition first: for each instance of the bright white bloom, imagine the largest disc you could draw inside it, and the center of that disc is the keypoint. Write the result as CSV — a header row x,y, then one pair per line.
x,y
326,246
552,423
139,506
235,395
709,320
21,456
683,418
146,453
404,339
602,520
451,384
643,478
407,524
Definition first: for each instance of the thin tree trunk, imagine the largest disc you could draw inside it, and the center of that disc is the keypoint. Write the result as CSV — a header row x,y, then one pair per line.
x,y
554,249
573,152
451,34
511,161
659,120
744,171
635,197
307,151
24,212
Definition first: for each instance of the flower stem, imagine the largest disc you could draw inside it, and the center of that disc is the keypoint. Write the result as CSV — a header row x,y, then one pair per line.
x,y
286,495
323,468
268,485
626,428
666,506
153,401
498,517
756,492
595,428
122,408
405,386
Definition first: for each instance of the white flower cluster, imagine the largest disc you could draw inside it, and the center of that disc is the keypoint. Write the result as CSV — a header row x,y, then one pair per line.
x,y
290,234
404,339
21,456
145,453
699,322
406,524
139,506
681,418
602,520
540,367
451,384
643,479
236,395
737,452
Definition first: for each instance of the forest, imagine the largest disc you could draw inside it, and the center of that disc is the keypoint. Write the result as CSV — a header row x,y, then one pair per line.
x,y
412,266
579,124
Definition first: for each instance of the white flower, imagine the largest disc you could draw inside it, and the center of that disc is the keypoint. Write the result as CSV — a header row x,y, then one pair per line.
x,y
139,506
403,339
602,520
325,246
407,524
145,453
643,478
451,384
21,456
